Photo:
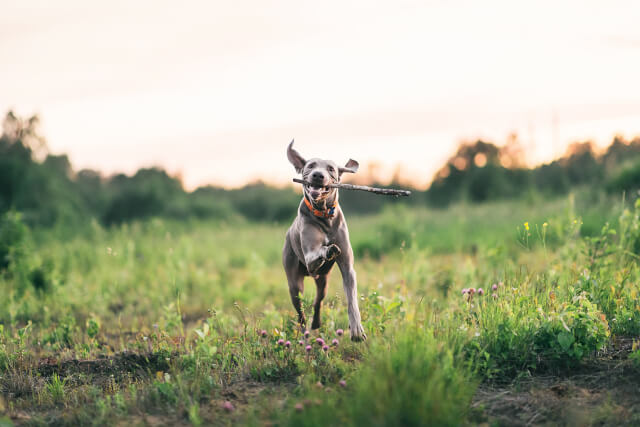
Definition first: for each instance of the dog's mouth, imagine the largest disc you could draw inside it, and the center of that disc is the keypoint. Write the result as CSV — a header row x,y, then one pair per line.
x,y
318,191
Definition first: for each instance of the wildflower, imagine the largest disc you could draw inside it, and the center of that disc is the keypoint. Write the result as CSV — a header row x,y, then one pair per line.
x,y
472,291
335,342
526,226
280,341
325,348
320,341
480,291
299,407
465,291
342,383
228,406
308,349
306,334
301,342
494,295
263,333
339,332
545,224
287,344
494,287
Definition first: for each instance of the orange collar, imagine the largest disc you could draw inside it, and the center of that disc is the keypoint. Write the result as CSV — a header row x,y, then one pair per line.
x,y
327,213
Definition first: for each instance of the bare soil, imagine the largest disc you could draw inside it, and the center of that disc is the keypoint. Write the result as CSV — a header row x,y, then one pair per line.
x,y
604,391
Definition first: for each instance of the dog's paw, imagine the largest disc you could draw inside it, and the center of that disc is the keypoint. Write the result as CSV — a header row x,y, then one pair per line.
x,y
357,334
315,265
316,323
332,252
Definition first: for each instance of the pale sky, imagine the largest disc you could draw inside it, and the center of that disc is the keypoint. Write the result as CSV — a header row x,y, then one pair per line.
x,y
215,90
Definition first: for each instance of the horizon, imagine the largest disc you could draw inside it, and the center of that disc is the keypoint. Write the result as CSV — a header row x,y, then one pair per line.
x,y
400,86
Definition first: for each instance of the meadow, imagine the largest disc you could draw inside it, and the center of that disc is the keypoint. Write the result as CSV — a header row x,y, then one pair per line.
x,y
503,313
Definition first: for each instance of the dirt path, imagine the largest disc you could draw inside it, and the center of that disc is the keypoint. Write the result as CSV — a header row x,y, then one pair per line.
x,y
605,391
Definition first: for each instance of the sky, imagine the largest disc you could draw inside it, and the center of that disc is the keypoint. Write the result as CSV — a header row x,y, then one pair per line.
x,y
214,91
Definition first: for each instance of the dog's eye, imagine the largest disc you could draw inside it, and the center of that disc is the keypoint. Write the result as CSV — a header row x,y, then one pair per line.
x,y
311,165
330,169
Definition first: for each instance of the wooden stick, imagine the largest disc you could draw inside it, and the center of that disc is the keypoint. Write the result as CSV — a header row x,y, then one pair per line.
x,y
385,191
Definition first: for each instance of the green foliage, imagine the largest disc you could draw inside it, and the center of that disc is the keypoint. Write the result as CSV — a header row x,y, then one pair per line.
x,y
390,234
48,192
127,323
56,388
627,180
412,379
13,235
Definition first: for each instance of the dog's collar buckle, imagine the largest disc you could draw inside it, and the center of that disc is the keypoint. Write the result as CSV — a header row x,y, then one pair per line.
x,y
326,213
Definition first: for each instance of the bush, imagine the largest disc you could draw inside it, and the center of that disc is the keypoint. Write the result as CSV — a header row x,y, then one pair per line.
x,y
394,231
13,234
415,379
627,180
518,332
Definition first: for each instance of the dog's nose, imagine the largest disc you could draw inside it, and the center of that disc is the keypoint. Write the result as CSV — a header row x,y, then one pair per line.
x,y
317,175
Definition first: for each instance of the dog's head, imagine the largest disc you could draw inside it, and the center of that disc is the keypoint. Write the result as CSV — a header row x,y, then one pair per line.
x,y
319,174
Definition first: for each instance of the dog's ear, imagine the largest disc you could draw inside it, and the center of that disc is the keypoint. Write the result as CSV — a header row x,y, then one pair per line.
x,y
351,167
295,158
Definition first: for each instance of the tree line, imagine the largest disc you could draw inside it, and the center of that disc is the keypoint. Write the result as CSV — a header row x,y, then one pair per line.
x,y
47,191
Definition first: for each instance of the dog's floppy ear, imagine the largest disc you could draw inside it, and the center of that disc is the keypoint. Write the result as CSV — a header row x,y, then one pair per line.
x,y
295,158
351,167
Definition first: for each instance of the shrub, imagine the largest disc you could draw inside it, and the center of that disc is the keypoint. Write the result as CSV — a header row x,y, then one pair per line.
x,y
413,379
13,234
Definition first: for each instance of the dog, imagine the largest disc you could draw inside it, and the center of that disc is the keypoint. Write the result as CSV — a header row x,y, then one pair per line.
x,y
318,238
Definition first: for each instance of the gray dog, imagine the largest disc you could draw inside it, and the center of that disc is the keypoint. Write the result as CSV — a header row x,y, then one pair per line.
x,y
318,238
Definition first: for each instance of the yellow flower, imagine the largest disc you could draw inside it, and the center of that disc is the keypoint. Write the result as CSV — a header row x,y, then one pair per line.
x,y
526,226
545,224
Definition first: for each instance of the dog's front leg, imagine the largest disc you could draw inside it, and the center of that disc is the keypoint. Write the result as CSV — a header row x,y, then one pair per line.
x,y
345,263
315,253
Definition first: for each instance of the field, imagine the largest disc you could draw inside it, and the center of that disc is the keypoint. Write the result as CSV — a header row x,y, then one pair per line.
x,y
507,313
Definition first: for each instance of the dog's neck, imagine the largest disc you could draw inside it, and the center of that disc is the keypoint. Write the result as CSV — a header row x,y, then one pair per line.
x,y
324,204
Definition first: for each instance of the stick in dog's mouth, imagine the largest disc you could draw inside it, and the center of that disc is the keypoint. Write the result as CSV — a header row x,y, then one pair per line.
x,y
322,188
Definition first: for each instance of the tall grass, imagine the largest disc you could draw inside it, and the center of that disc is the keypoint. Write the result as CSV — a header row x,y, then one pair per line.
x,y
171,315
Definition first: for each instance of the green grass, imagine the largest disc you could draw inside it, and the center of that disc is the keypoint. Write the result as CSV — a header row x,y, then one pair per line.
x,y
162,318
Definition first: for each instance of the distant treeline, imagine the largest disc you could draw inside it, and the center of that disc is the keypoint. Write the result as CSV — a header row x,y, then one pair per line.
x,y
47,191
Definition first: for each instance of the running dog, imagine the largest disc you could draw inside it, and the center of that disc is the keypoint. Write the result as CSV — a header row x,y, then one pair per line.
x,y
319,237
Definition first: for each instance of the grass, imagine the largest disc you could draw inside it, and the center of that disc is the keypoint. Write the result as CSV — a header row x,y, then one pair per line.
x,y
162,321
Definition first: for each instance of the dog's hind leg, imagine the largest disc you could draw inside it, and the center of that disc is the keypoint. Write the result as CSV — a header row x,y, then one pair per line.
x,y
295,277
296,288
321,292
